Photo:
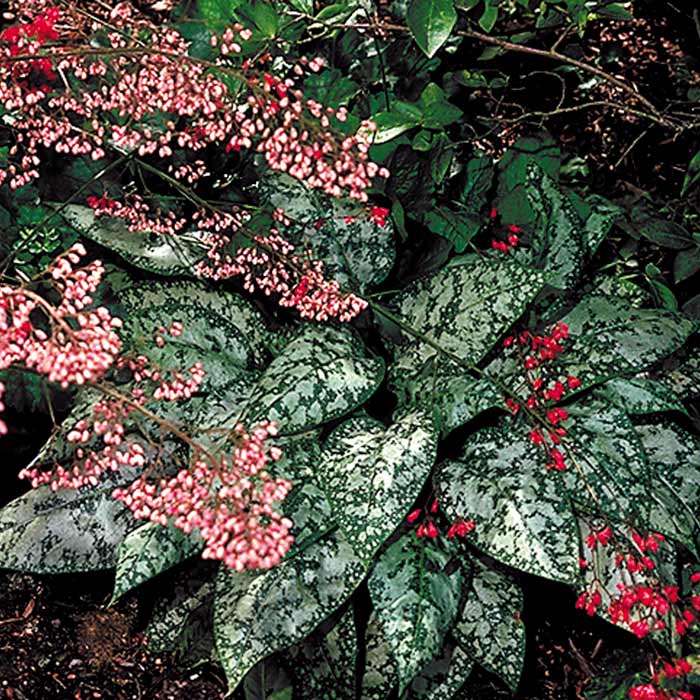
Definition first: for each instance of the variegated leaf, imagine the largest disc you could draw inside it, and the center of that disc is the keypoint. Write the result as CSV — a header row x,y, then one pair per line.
x,y
462,310
674,462
324,664
372,475
354,250
67,531
148,551
611,337
221,330
380,673
443,678
158,253
322,374
489,626
416,602
639,396
522,516
257,614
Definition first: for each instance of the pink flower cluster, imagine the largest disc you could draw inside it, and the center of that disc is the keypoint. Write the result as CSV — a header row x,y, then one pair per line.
x,y
145,94
230,502
68,342
3,425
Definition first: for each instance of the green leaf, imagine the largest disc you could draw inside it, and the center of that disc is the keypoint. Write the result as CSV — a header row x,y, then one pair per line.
x,y
455,227
692,175
148,551
324,664
372,475
489,626
431,22
68,531
258,614
488,17
610,337
354,250
437,110
323,374
463,310
686,264
157,253
222,330
217,13
521,514
416,602
402,117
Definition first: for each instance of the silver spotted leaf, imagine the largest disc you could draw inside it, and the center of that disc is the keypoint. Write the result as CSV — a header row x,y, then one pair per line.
x,y
258,614
321,375
601,215
68,531
603,574
489,626
607,467
372,475
182,621
674,460
148,551
224,331
444,677
380,673
158,253
640,396
610,337
354,250
416,601
522,515
324,664
557,244
461,311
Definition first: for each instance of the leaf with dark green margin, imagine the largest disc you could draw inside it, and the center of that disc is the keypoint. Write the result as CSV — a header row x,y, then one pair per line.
x,y
379,678
431,22
489,626
324,664
322,374
354,250
557,243
522,516
611,337
67,531
416,602
157,253
674,459
463,309
639,396
224,331
372,475
148,551
443,678
257,614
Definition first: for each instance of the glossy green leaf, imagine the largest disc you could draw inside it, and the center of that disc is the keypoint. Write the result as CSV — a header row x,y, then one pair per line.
x,y
522,516
489,626
157,253
416,602
431,22
322,374
148,551
373,474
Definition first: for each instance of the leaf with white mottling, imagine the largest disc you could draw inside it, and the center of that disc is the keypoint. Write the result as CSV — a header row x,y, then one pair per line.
x,y
322,374
639,396
444,677
522,516
372,475
379,678
416,602
148,551
489,627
